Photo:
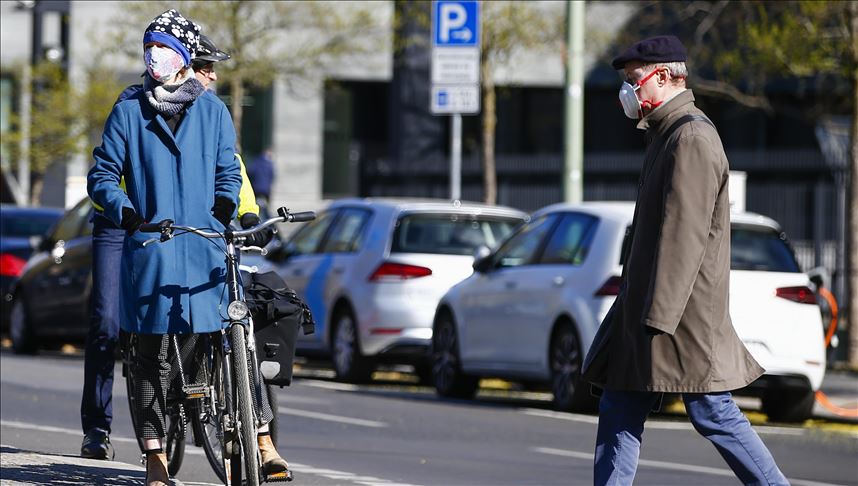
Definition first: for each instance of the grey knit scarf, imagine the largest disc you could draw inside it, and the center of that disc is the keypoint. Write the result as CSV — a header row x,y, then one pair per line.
x,y
169,99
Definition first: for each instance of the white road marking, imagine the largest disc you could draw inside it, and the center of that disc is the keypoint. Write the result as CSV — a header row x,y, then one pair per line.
x,y
333,418
674,466
57,430
330,385
656,424
298,468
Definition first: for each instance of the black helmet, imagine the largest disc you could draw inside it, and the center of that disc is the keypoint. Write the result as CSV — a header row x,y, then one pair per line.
x,y
208,52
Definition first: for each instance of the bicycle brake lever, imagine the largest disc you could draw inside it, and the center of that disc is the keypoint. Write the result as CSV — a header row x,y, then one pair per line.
x,y
254,249
150,241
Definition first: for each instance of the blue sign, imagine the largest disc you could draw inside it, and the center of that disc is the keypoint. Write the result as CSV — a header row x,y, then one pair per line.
x,y
456,23
442,98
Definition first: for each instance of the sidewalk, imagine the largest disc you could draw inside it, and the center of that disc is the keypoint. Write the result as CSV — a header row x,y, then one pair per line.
x,y
18,467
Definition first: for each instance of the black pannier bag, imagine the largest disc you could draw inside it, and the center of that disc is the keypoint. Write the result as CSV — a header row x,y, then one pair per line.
x,y
277,314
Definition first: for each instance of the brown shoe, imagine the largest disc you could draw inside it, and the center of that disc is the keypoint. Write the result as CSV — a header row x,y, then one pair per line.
x,y
272,463
156,469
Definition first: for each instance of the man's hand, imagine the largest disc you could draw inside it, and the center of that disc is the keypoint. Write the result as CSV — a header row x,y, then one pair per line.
x,y
222,210
131,221
249,220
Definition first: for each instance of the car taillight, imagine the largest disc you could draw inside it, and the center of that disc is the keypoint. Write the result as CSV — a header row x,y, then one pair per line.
x,y
611,287
398,271
11,265
802,295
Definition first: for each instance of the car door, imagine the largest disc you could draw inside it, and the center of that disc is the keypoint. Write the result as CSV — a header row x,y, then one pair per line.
x,y
486,305
54,286
546,289
339,268
302,259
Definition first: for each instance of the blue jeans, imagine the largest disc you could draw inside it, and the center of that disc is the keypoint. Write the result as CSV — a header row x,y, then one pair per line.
x,y
714,415
96,406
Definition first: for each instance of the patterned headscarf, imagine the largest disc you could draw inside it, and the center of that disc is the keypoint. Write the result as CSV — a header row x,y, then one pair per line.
x,y
174,30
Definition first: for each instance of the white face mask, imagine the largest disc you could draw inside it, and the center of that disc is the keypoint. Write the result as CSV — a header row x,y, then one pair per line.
x,y
629,99
162,63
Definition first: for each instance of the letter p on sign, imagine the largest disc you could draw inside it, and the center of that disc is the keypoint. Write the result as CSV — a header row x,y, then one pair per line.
x,y
453,16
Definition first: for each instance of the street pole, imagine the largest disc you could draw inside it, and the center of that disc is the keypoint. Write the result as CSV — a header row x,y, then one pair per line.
x,y
456,157
573,184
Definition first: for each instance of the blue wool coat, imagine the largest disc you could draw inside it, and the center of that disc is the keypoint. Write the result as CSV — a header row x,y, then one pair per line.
x,y
176,286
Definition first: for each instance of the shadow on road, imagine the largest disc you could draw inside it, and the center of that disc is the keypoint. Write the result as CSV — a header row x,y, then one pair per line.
x,y
33,468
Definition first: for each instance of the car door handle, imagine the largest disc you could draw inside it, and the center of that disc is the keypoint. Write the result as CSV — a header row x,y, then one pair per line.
x,y
510,284
558,281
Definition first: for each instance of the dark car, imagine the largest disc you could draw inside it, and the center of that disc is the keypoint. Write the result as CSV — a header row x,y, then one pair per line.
x,y
49,300
21,230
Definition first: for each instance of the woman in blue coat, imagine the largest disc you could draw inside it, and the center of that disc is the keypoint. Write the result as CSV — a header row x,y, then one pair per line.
x,y
174,143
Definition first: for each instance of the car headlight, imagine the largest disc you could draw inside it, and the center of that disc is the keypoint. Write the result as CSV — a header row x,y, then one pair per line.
x,y
237,310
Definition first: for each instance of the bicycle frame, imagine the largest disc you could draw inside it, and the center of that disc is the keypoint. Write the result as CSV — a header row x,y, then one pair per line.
x,y
234,429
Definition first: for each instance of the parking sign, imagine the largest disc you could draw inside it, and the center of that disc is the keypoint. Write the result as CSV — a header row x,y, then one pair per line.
x,y
456,23
455,56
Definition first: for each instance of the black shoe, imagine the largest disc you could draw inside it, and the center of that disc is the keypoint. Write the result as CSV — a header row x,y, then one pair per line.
x,y
96,445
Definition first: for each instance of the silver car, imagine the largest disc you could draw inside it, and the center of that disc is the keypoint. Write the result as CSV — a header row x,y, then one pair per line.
x,y
373,271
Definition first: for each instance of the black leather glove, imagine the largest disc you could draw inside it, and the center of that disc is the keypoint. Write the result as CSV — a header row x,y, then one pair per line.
x,y
249,220
131,221
223,209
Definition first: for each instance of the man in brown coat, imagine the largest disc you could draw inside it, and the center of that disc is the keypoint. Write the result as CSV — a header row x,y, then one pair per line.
x,y
670,330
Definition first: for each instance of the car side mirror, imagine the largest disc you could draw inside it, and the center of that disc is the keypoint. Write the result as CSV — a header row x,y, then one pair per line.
x,y
482,260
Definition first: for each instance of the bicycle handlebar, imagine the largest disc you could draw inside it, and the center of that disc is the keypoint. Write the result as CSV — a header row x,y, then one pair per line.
x,y
167,226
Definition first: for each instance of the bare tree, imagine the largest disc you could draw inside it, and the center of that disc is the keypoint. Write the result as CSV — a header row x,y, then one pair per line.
x,y
508,27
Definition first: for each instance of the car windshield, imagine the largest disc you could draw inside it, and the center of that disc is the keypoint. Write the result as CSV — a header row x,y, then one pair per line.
x,y
25,225
760,249
448,234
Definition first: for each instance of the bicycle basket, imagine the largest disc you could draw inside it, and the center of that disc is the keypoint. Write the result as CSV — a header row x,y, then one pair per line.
x,y
277,314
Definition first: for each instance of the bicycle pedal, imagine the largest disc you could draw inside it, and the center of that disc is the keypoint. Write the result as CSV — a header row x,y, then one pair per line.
x,y
281,477
196,390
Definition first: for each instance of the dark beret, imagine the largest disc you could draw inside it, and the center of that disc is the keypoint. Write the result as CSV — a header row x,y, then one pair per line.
x,y
662,48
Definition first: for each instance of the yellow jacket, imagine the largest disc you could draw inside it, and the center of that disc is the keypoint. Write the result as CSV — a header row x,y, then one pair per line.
x,y
246,196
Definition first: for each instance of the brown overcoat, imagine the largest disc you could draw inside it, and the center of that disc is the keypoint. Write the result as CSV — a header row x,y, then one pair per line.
x,y
677,275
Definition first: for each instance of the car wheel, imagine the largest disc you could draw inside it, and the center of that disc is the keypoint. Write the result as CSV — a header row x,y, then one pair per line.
x,y
789,405
570,392
23,341
349,364
446,365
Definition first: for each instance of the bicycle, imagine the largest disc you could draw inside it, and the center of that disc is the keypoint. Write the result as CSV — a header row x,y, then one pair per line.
x,y
223,403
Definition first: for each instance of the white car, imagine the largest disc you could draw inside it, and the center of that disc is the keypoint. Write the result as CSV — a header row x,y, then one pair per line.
x,y
373,270
530,310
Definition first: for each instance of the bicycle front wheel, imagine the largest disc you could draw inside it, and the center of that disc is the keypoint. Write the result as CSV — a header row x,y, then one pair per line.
x,y
244,402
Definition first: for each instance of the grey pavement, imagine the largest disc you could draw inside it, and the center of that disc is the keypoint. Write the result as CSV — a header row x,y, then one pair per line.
x,y
19,467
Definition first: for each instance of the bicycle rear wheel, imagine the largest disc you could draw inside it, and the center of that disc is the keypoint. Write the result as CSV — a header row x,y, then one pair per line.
x,y
244,405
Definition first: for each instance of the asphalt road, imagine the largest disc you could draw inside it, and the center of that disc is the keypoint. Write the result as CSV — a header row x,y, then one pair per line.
x,y
396,433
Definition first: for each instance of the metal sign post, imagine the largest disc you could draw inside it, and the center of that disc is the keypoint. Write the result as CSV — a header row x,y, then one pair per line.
x,y
455,72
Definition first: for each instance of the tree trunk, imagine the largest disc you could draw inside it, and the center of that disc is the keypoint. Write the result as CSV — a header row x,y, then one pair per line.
x,y
236,93
852,234
489,124
37,183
